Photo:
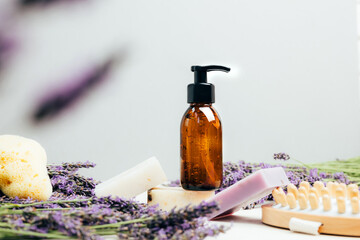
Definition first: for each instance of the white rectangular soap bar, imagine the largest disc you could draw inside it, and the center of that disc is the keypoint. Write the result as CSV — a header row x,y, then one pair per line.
x,y
134,181
248,190
169,197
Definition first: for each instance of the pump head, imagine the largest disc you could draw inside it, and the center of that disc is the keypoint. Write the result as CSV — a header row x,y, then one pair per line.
x,y
201,91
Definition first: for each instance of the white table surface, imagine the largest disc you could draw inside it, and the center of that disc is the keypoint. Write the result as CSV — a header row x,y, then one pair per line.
x,y
247,225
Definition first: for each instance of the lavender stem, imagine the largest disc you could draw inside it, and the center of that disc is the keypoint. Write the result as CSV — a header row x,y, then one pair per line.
x,y
34,234
307,166
57,209
44,202
121,223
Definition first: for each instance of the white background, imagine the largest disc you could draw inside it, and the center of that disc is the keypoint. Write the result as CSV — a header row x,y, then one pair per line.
x,y
293,86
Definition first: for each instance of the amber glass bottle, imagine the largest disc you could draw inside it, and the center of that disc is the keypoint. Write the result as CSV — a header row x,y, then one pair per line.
x,y
201,135
201,148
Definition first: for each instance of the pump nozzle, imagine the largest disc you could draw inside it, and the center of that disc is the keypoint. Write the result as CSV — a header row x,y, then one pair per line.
x,y
201,91
201,72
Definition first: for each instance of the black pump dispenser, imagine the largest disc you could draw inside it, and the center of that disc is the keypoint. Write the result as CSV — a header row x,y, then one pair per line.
x,y
201,91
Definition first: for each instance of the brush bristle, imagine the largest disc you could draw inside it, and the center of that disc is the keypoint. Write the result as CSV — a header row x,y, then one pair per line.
x,y
320,194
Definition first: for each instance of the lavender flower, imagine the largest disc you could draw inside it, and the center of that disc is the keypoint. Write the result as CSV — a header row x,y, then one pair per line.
x,y
175,183
17,223
281,156
341,177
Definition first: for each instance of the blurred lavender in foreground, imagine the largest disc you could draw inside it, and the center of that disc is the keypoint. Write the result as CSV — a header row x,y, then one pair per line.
x,y
27,3
7,45
65,96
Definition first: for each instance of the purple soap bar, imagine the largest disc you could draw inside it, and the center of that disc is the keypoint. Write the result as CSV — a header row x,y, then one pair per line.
x,y
249,190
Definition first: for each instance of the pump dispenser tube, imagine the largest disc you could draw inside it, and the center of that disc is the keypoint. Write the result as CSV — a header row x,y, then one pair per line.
x,y
201,135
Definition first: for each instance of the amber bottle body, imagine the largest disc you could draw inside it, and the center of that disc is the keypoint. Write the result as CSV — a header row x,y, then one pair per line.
x,y
201,148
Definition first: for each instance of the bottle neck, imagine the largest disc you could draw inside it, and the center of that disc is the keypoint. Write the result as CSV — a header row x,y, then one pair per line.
x,y
200,104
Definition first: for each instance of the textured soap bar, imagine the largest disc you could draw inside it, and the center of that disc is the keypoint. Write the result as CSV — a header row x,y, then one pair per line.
x,y
169,197
249,190
134,181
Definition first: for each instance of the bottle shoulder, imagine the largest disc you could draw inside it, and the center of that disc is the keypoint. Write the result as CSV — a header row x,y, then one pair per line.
x,y
201,113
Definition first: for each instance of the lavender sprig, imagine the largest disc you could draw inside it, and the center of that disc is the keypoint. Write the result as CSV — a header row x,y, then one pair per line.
x,y
90,222
66,180
286,157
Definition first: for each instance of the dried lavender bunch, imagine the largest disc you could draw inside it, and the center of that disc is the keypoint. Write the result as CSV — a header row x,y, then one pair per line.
x,y
72,213
95,220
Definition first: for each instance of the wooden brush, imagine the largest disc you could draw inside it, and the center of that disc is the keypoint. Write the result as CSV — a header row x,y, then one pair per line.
x,y
335,205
